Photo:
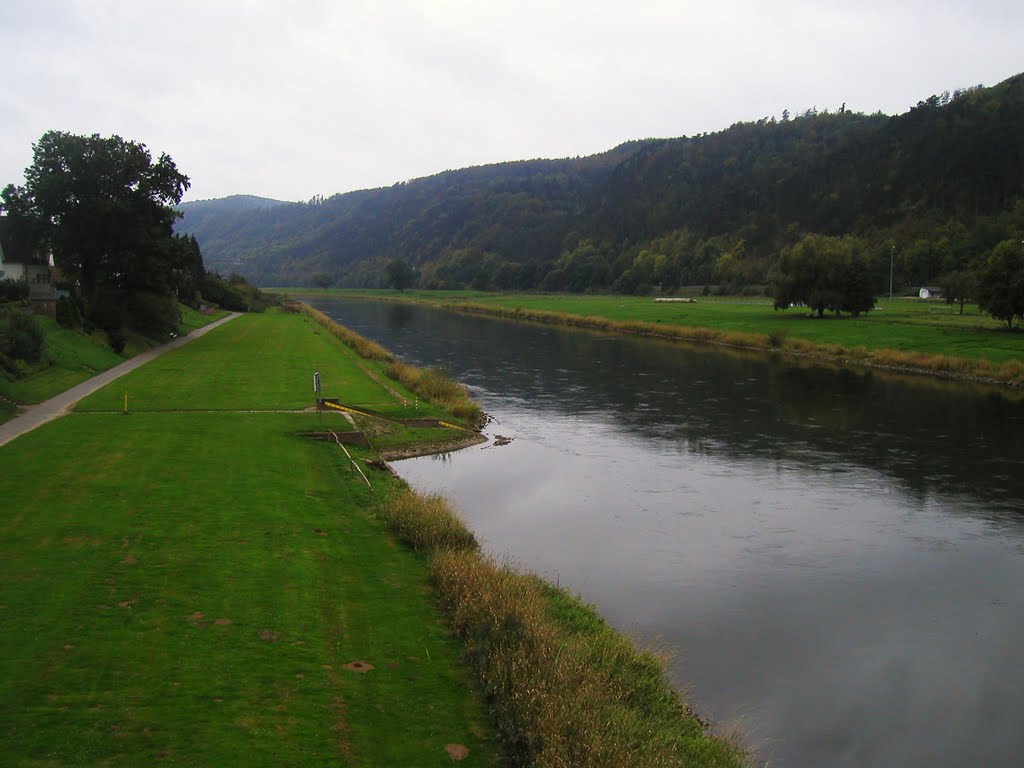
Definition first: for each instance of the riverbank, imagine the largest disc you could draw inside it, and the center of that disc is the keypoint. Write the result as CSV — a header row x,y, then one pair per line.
x,y
905,336
193,580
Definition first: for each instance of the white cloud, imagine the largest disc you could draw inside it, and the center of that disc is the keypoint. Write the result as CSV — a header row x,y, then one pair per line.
x,y
293,99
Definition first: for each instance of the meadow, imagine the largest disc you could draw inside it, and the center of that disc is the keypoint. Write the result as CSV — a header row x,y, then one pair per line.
x,y
205,587
70,357
909,335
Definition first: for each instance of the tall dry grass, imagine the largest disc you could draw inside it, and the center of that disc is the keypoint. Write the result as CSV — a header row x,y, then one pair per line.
x,y
565,698
433,385
426,523
564,689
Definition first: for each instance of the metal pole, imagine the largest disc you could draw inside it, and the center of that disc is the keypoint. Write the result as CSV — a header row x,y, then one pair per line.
x,y
316,390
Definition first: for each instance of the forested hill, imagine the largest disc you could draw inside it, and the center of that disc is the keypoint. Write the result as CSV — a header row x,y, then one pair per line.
x,y
942,184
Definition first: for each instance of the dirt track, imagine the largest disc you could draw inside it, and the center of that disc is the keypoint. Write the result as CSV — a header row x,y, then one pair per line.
x,y
57,406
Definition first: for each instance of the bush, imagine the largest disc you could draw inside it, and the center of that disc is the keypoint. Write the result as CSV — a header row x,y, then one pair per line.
x,y
24,338
154,315
116,339
13,290
68,314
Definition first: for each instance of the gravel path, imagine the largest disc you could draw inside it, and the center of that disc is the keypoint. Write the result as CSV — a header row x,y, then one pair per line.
x,y
57,406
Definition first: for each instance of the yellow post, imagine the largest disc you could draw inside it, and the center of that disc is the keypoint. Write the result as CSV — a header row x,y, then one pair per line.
x,y
126,401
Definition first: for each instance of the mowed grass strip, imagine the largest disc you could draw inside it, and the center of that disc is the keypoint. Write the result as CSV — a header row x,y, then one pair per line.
x,y
189,588
257,362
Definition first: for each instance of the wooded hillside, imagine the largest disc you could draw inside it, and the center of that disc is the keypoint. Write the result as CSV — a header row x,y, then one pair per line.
x,y
942,184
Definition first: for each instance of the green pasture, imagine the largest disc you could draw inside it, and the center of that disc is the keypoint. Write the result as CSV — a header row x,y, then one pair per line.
x,y
258,362
187,586
907,325
901,324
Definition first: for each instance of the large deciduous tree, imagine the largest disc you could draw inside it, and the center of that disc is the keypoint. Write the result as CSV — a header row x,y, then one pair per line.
x,y
102,206
959,287
824,272
1001,282
400,275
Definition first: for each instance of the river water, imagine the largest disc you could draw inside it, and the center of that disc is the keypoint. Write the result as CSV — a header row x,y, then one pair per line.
x,y
836,557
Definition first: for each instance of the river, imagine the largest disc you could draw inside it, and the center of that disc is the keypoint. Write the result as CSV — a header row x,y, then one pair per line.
x,y
836,557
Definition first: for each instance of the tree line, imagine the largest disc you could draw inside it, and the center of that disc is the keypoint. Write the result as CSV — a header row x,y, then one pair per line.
x,y
931,193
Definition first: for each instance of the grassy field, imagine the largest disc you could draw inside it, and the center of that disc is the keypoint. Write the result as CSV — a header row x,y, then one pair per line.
x,y
906,325
71,357
188,587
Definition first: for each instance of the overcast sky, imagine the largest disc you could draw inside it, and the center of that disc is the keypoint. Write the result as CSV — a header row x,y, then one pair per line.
x,y
293,99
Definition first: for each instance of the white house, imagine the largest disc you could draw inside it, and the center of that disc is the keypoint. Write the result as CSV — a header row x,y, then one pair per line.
x,y
34,270
930,292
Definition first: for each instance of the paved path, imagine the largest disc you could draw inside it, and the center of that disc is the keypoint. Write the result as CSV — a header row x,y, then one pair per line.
x,y
48,410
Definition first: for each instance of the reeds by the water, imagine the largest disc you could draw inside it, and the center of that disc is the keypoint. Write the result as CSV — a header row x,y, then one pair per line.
x,y
433,385
563,687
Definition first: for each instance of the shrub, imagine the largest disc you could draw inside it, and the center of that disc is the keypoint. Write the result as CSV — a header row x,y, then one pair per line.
x,y
154,315
24,338
68,314
13,290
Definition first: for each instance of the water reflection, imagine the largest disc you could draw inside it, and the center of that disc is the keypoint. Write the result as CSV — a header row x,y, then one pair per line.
x,y
838,553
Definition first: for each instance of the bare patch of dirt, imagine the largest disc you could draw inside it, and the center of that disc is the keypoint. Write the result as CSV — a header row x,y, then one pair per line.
x,y
358,666
195,618
125,604
223,622
268,636
130,560
457,751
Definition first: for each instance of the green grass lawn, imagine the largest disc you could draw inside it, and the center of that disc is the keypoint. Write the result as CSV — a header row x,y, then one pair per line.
x,y
71,357
258,362
187,587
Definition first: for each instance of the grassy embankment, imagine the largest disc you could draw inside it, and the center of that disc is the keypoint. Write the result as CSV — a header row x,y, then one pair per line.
x,y
907,335
70,357
188,582
188,586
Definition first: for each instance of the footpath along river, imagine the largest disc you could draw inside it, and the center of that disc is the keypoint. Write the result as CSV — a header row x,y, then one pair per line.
x,y
837,557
